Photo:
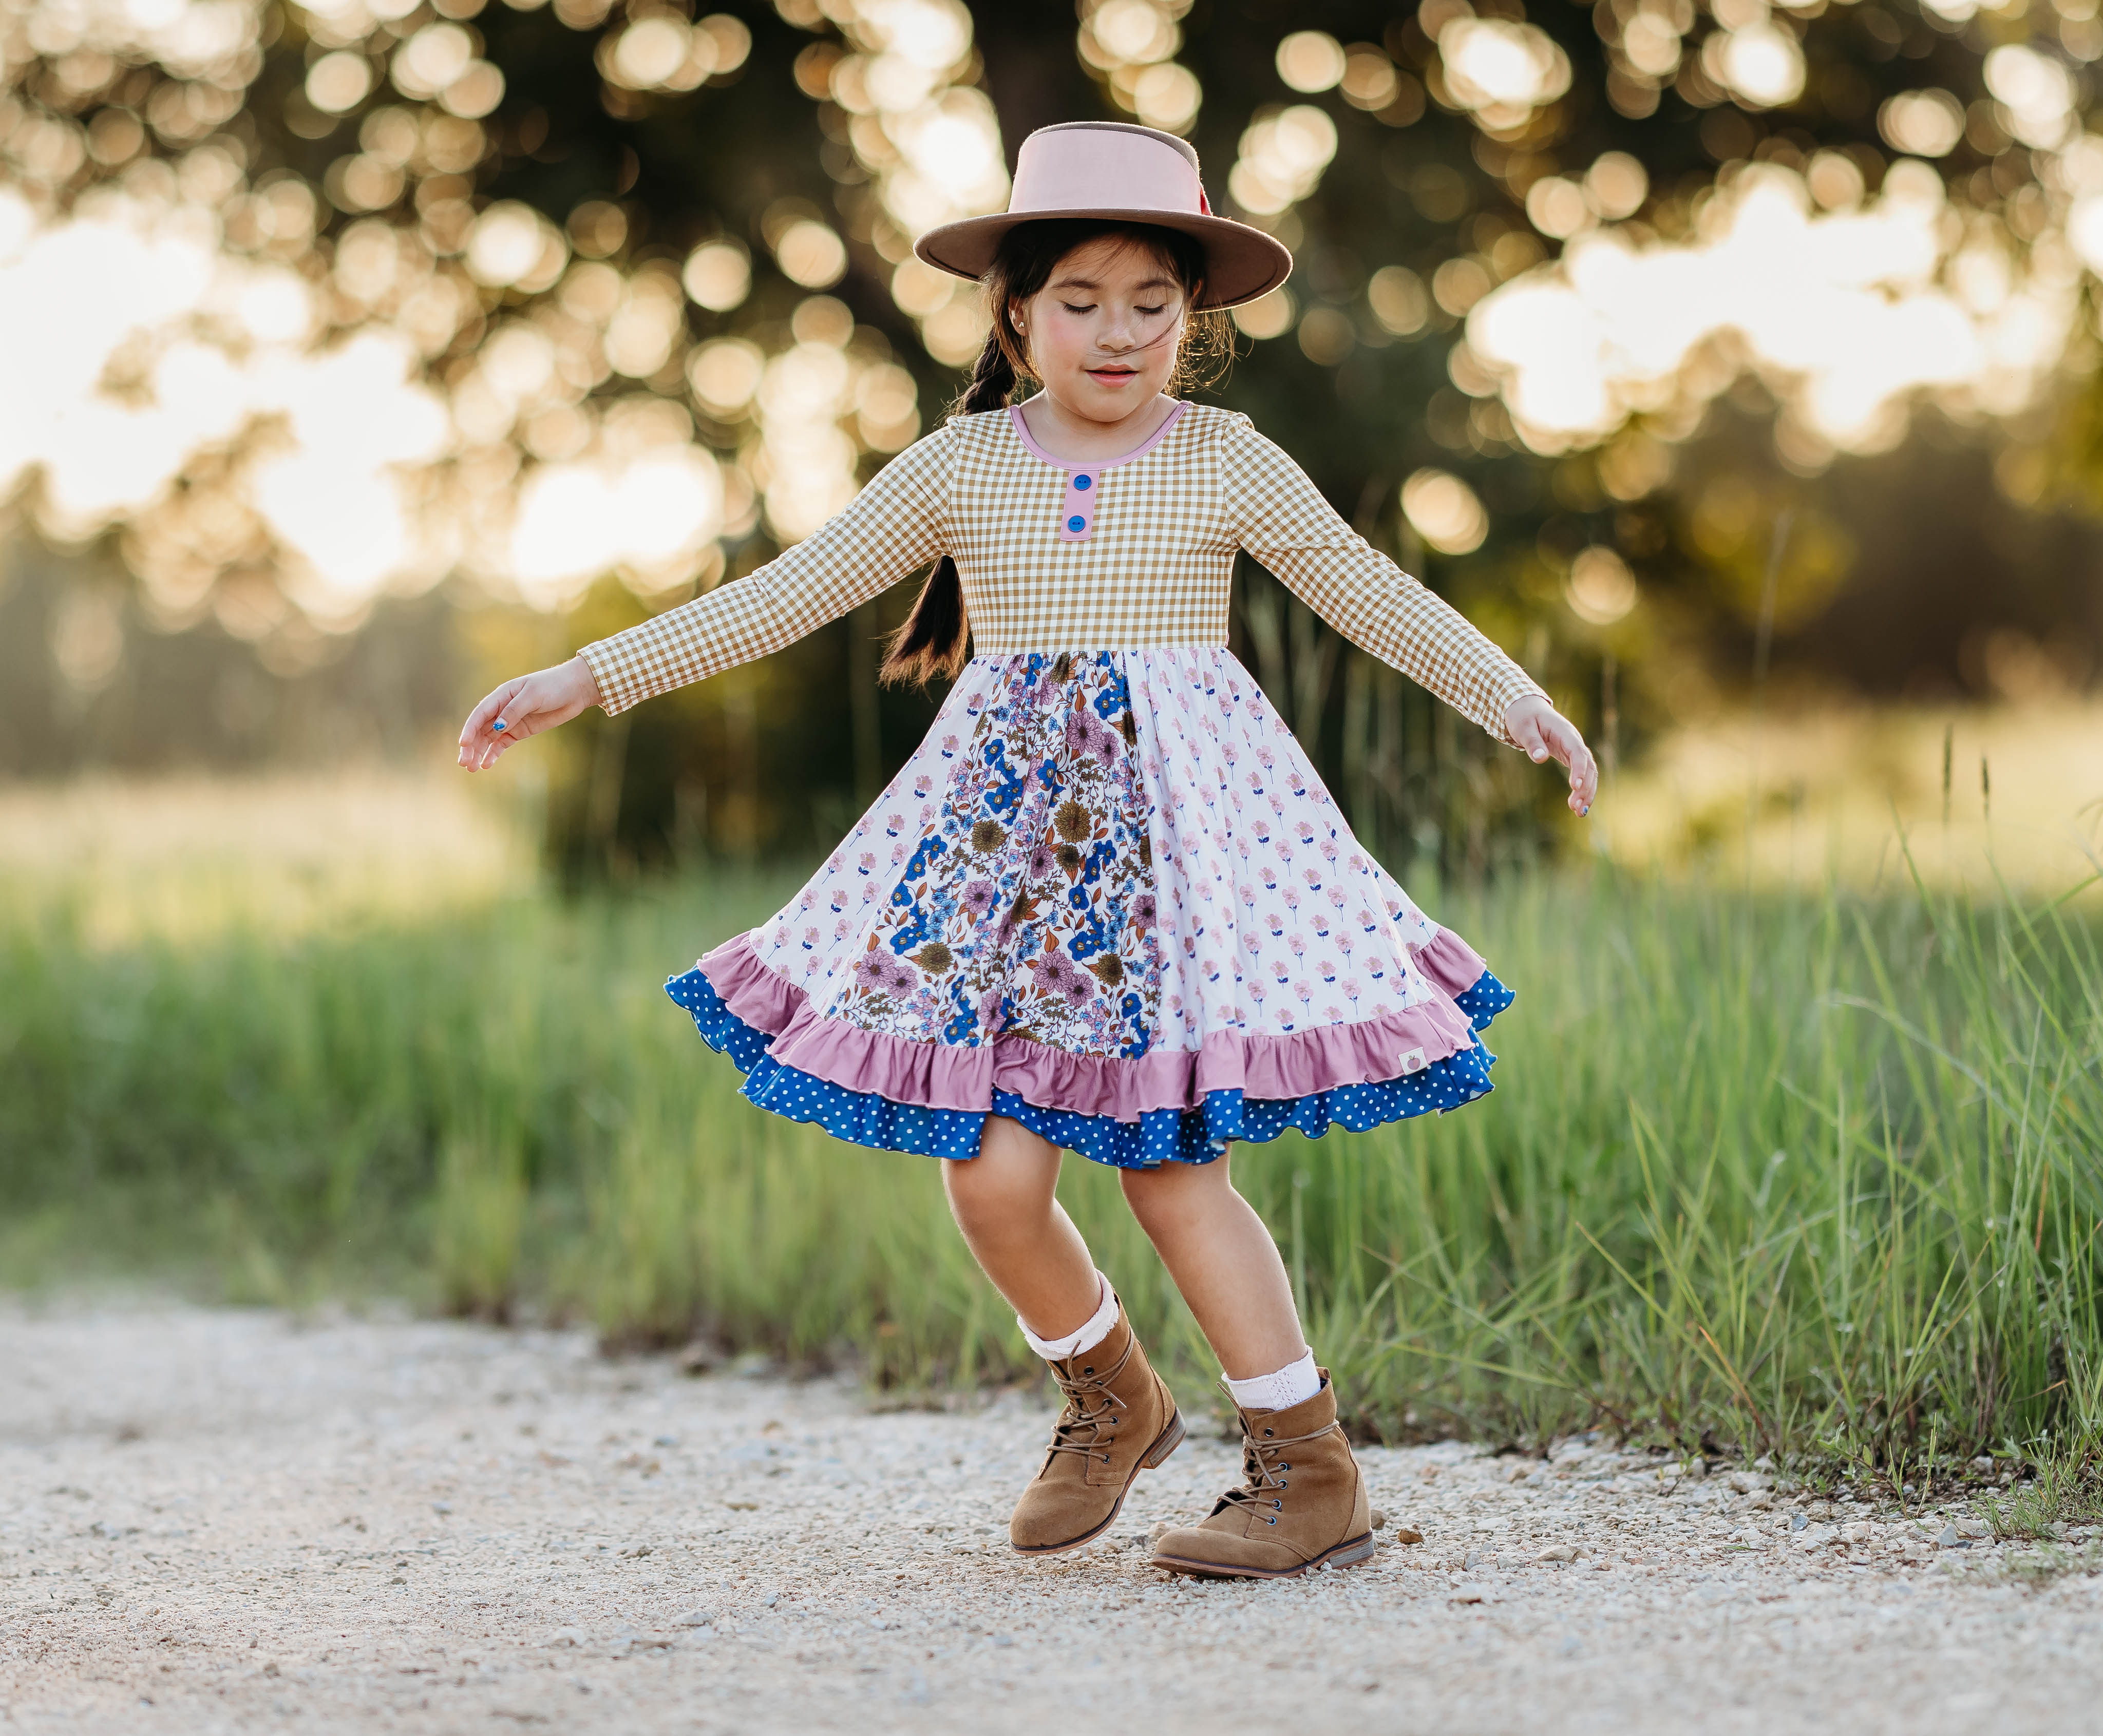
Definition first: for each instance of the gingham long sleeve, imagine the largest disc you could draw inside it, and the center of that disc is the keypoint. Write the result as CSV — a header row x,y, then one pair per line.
x,y
897,523
1280,517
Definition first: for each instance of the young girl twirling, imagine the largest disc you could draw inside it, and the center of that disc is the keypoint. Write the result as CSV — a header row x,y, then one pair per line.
x,y
1107,906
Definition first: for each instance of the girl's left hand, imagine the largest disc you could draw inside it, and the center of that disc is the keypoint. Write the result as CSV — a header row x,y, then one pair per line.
x,y
1543,731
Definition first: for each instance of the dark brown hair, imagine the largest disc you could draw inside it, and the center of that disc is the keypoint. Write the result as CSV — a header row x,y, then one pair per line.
x,y
933,640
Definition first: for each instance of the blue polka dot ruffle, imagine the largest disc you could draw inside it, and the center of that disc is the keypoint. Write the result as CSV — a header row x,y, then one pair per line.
x,y
1159,1136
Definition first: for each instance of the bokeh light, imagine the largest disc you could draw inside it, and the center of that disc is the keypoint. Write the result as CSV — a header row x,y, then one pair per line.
x,y
1282,157
1311,60
1600,589
1846,314
1131,45
1445,512
451,387
1500,70
1922,123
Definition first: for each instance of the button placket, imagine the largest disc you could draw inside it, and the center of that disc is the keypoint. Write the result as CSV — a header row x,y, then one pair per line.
x,y
1076,511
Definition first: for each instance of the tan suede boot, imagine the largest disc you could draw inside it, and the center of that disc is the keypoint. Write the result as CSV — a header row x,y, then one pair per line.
x,y
1302,1504
1120,1420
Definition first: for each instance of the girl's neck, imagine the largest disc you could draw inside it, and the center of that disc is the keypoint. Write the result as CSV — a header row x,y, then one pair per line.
x,y
1081,439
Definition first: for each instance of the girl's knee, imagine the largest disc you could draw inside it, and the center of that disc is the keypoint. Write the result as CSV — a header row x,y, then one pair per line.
x,y
1006,1184
1161,1197
978,1190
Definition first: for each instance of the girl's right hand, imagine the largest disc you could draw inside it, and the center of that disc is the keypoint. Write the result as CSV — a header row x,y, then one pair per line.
x,y
524,706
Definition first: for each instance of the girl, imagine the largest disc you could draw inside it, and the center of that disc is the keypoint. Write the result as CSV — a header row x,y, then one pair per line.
x,y
1107,906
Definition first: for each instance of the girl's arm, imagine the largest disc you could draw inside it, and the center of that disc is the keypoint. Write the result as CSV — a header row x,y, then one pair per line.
x,y
895,525
1280,517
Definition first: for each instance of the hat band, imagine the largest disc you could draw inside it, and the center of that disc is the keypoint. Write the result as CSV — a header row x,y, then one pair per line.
x,y
1104,169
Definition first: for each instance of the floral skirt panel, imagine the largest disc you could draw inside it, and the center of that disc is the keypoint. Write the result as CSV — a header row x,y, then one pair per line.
x,y
1108,897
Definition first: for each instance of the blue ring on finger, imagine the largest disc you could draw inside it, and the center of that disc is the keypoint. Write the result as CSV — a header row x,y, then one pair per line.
x,y
498,725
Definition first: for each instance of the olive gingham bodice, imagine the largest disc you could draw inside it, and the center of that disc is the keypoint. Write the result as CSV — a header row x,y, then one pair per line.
x,y
1125,554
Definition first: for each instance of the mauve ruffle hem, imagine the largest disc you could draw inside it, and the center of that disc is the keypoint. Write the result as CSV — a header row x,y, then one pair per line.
x,y
1180,1105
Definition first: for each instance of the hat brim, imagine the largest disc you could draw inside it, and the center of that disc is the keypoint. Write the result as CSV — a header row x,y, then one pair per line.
x,y
1241,262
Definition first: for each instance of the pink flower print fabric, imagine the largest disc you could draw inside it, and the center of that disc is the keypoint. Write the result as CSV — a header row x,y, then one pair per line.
x,y
1275,919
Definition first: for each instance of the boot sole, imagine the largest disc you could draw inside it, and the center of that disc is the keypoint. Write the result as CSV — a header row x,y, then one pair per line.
x,y
1348,1553
1165,1443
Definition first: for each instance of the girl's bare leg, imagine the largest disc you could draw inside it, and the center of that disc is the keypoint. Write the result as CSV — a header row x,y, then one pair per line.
x,y
1018,1231
1224,1261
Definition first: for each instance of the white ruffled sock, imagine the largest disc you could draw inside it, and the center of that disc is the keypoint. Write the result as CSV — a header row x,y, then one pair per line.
x,y
1085,1337
1293,1384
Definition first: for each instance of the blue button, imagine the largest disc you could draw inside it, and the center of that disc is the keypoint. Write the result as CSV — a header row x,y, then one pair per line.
x,y
1077,523
1083,481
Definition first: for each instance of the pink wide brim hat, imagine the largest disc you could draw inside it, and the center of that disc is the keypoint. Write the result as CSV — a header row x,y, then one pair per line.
x,y
1112,171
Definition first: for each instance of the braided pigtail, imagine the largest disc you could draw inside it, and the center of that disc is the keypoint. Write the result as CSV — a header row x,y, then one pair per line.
x,y
936,634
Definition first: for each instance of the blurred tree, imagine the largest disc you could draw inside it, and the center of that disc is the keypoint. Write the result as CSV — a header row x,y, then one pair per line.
x,y
657,270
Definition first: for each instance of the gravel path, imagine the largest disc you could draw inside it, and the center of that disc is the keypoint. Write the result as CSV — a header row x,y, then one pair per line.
x,y
230,1520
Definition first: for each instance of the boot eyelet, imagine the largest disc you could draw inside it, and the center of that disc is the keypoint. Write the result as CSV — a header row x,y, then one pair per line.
x,y
1266,1434
1280,1506
1270,1522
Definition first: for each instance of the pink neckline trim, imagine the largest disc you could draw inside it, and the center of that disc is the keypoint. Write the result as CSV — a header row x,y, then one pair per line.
x,y
1144,447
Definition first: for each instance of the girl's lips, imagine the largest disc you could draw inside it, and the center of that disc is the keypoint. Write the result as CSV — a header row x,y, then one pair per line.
x,y
1112,375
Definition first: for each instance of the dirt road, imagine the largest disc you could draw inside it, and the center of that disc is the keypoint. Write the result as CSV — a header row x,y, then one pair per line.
x,y
217,1520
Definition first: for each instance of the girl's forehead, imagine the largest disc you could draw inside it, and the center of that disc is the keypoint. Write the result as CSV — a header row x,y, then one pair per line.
x,y
1114,262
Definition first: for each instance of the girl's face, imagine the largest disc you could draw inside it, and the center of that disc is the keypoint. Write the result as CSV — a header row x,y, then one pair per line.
x,y
1103,332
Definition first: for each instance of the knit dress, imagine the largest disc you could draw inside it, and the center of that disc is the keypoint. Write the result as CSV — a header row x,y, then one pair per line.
x,y
1107,896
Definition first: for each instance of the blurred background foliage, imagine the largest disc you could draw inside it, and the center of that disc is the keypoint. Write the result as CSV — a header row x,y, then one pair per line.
x,y
360,353
1732,364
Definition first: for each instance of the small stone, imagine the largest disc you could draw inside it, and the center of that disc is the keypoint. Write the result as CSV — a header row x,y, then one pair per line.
x,y
1751,1482
698,1359
1379,1520
1799,1520
695,1618
1948,1538
1408,1534
441,1508
1557,1552
1468,1592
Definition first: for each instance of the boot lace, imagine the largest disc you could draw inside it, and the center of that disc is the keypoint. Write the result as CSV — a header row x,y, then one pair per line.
x,y
1083,1414
1262,1463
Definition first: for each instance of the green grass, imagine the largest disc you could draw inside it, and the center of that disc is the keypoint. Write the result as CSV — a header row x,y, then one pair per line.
x,y
1817,1176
